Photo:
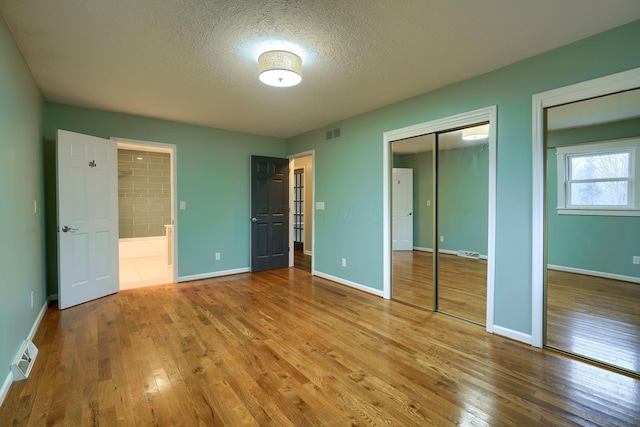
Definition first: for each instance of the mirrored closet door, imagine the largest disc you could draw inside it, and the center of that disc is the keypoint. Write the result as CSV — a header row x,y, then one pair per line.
x,y
412,205
446,177
593,229
463,186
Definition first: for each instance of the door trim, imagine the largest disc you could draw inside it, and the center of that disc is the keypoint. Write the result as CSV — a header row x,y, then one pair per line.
x,y
588,89
291,157
459,120
172,149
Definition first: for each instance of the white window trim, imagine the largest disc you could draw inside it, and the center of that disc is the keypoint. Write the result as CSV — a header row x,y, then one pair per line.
x,y
622,145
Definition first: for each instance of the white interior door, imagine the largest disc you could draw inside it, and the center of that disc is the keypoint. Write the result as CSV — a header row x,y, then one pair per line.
x,y
87,218
402,207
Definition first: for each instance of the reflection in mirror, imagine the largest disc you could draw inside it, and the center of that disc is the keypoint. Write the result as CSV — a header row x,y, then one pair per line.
x,y
412,221
461,233
593,229
463,212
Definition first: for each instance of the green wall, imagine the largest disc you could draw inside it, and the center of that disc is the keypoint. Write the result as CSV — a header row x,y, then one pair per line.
x,y
463,197
21,182
605,244
213,180
349,170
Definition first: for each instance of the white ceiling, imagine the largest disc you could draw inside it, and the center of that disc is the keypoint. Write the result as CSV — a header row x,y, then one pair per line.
x,y
195,61
605,109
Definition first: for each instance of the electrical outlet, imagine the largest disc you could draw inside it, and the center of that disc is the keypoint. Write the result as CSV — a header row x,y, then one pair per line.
x,y
183,205
31,299
442,238
344,262
636,259
217,256
35,206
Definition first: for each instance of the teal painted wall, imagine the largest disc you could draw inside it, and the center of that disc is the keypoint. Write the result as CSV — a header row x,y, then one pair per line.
x,y
621,129
598,243
349,170
21,182
463,197
213,180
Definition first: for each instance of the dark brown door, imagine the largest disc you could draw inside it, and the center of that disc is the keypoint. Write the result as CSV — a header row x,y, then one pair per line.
x,y
269,213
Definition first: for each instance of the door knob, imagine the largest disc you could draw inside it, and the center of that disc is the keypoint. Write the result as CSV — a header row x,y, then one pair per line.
x,y
254,219
66,229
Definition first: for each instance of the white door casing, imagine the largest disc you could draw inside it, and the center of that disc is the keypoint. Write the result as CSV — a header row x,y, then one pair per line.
x,y
488,114
87,189
402,207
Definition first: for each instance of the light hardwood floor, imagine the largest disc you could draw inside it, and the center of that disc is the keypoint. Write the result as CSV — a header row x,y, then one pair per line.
x,y
284,348
594,317
588,316
463,283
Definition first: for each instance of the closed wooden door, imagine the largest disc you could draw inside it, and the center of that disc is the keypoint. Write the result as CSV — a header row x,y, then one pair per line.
x,y
269,213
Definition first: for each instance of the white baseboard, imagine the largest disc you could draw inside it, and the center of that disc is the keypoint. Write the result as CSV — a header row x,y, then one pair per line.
x,y
443,251
355,285
34,328
594,273
514,335
214,274
36,323
5,387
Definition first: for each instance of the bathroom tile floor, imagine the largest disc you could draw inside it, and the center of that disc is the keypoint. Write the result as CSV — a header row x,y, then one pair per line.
x,y
147,271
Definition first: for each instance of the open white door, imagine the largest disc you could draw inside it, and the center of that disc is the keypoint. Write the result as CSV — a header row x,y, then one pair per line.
x,y
402,206
87,218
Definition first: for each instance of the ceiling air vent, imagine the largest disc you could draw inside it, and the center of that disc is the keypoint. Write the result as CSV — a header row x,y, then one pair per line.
x,y
332,134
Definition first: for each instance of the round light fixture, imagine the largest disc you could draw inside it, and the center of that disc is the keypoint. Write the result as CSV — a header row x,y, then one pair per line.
x,y
280,68
475,133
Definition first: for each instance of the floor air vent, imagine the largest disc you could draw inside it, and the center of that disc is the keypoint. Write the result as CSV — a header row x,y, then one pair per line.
x,y
469,254
21,367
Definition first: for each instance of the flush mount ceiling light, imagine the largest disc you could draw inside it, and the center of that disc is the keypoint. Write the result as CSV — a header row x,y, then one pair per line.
x,y
280,68
475,133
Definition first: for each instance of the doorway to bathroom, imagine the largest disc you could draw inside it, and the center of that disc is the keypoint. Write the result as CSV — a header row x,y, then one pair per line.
x,y
146,213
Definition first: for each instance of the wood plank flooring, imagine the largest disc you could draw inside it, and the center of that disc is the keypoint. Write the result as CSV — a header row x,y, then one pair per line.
x,y
594,317
588,316
301,260
284,348
463,283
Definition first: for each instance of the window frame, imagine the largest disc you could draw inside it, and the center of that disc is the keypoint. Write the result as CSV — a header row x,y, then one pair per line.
x,y
563,157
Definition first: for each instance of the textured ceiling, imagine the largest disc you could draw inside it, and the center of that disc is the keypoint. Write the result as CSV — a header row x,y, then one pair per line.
x,y
195,61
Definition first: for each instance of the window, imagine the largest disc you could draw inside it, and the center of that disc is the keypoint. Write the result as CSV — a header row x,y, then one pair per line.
x,y
599,178
298,206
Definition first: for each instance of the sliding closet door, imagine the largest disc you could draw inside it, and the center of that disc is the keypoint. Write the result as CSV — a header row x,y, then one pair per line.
x,y
462,222
412,266
593,229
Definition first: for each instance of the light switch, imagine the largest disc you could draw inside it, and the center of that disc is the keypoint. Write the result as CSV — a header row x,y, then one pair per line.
x,y
183,205
320,206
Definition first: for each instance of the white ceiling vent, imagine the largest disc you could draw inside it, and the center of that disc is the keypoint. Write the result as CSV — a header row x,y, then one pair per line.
x,y
332,134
